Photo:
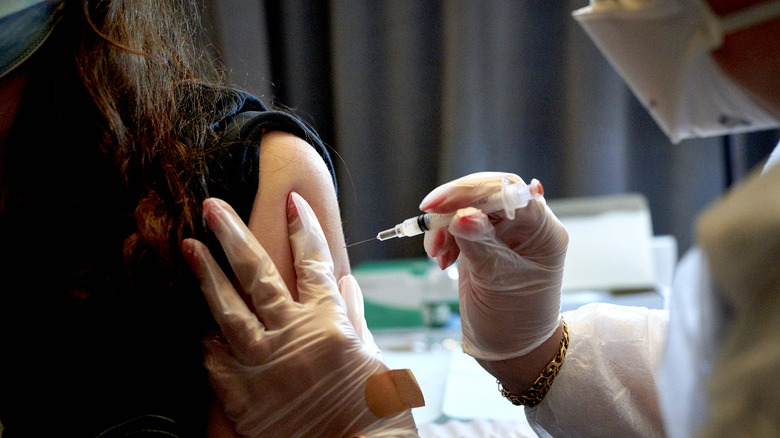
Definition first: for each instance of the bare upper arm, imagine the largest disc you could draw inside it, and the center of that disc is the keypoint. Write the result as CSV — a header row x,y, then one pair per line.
x,y
288,163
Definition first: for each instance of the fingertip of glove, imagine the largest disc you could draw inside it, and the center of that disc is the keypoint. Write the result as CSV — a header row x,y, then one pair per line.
x,y
536,188
211,210
299,208
435,242
448,259
216,205
188,247
432,200
349,290
440,245
292,207
347,280
469,222
193,250
346,285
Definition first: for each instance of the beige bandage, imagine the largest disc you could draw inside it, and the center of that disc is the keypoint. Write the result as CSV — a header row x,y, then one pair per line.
x,y
392,392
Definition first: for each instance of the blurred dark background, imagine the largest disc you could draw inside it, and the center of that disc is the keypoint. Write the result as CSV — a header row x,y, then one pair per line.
x,y
411,93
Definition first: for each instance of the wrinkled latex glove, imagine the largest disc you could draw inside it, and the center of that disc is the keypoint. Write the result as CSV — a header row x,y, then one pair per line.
x,y
510,271
353,299
287,369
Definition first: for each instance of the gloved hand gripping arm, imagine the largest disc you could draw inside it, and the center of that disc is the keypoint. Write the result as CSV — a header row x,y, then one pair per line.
x,y
287,368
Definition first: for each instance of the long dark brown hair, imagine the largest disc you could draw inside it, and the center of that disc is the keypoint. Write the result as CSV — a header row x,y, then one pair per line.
x,y
103,174
143,67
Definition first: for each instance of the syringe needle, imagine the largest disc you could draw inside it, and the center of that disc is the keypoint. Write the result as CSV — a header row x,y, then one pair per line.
x,y
358,243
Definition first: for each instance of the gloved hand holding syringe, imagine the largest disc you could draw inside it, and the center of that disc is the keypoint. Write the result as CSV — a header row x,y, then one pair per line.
x,y
513,195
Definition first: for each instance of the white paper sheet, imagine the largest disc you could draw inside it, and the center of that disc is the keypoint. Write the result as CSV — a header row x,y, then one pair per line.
x,y
610,243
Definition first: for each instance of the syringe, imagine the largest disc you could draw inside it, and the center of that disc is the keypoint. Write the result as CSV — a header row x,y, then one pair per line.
x,y
513,195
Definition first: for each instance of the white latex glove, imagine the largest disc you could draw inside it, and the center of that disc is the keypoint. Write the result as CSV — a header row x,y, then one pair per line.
x,y
288,369
353,300
510,271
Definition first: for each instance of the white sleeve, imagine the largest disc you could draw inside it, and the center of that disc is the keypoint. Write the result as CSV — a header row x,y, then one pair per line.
x,y
606,385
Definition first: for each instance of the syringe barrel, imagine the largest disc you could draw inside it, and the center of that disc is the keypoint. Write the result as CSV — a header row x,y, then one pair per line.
x,y
437,220
412,226
422,223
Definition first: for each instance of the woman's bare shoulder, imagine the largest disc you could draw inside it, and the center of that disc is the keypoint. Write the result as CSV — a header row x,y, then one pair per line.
x,y
288,163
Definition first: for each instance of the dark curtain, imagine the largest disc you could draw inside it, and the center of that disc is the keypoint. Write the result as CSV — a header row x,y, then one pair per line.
x,y
411,93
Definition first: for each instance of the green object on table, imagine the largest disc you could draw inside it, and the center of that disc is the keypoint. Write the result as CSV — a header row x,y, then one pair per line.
x,y
379,316
392,291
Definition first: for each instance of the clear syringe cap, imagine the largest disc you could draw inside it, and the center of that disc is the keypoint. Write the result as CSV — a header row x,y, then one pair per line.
x,y
516,195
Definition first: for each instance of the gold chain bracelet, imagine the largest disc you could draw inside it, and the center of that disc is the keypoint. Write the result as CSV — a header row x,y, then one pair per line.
x,y
535,394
